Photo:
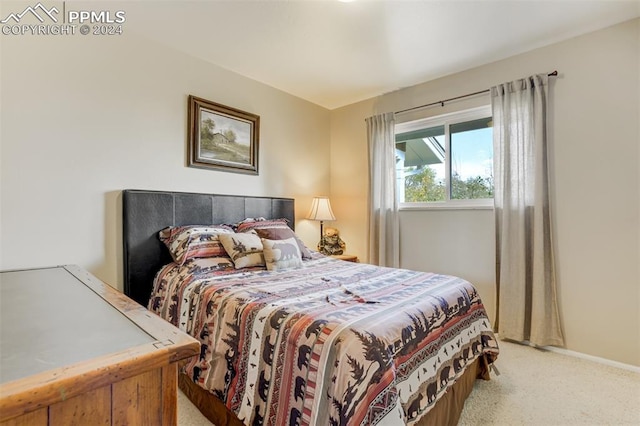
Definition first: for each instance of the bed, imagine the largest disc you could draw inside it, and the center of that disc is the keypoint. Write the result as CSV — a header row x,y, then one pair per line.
x,y
316,341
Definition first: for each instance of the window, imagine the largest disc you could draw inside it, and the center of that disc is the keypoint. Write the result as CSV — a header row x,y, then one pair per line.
x,y
446,160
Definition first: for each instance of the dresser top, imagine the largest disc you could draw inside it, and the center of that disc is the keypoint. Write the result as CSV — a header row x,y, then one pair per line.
x,y
61,316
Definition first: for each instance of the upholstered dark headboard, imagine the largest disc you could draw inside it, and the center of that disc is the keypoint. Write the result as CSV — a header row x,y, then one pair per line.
x,y
145,213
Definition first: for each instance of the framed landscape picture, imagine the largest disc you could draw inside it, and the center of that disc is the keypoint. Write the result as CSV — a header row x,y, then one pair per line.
x,y
222,138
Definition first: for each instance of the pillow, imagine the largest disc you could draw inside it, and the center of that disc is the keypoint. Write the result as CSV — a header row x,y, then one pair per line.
x,y
234,226
208,264
251,219
185,242
276,229
251,223
280,254
244,249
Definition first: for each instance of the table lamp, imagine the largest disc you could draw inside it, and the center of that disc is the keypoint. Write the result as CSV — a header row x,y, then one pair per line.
x,y
321,210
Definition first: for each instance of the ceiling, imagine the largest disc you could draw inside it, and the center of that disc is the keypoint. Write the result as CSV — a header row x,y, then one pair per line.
x,y
335,53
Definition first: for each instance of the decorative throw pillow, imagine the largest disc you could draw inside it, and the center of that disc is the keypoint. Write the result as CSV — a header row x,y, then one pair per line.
x,y
275,229
185,242
244,249
280,254
208,264
249,219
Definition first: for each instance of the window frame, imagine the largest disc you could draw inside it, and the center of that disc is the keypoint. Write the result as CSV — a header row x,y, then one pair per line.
x,y
446,120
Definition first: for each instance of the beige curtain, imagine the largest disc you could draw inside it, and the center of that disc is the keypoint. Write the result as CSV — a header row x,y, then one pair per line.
x,y
527,302
384,247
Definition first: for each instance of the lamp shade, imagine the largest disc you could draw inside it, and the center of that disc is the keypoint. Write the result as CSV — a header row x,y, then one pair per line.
x,y
321,209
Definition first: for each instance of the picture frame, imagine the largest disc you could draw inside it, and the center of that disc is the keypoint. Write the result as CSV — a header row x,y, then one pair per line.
x,y
222,138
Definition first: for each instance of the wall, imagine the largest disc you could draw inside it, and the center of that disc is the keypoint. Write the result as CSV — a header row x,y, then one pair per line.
x,y
594,140
84,117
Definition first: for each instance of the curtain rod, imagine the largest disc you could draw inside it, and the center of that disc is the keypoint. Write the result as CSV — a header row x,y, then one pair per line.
x,y
551,74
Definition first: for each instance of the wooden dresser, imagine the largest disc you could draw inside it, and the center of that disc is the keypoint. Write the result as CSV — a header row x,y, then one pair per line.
x,y
75,351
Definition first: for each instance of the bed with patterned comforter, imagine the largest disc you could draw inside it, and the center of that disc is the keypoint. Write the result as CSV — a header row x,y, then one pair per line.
x,y
330,343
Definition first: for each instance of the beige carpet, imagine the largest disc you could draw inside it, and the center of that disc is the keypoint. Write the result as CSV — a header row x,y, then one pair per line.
x,y
538,387
534,388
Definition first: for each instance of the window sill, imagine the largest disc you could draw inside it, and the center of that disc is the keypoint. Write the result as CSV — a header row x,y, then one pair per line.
x,y
451,205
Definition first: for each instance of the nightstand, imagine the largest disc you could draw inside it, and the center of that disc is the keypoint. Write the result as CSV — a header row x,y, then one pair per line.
x,y
346,257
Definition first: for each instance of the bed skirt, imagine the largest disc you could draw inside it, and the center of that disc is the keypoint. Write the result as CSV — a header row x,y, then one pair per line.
x,y
446,411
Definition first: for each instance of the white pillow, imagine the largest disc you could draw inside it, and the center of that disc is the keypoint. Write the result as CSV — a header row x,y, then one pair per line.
x,y
281,254
244,249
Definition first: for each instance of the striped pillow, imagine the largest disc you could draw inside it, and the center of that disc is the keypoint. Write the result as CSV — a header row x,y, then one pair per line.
x,y
194,241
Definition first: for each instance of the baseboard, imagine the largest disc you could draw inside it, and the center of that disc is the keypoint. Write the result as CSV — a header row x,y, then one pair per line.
x,y
597,359
580,355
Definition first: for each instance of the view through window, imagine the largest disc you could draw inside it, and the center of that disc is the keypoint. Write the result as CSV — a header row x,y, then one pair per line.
x,y
445,158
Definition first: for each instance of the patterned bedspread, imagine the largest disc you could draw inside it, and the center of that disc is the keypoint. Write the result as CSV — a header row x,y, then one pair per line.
x,y
331,343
